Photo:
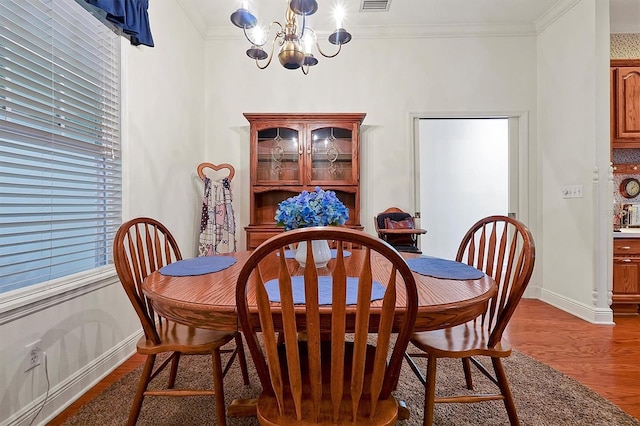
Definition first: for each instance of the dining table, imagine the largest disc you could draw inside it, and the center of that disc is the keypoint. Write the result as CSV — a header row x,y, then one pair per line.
x,y
208,300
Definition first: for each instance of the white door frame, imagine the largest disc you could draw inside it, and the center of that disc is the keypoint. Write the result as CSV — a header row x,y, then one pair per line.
x,y
520,189
518,131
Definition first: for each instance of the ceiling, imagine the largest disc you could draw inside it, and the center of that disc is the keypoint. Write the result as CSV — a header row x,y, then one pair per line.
x,y
212,16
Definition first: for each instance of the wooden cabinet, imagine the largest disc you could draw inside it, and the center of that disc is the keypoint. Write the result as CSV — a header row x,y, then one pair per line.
x,y
294,152
625,103
626,276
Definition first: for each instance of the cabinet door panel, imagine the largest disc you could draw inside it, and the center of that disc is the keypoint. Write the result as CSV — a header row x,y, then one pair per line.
x,y
628,103
626,275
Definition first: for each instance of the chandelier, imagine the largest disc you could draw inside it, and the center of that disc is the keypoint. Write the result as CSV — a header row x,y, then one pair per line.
x,y
294,41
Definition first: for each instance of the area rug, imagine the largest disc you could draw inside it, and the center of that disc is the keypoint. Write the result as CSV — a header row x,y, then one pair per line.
x,y
543,396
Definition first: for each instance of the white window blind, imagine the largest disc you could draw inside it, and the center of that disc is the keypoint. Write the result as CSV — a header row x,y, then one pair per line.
x,y
60,172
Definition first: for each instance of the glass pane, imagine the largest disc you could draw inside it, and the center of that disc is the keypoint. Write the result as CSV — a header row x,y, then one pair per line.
x,y
60,173
331,154
278,155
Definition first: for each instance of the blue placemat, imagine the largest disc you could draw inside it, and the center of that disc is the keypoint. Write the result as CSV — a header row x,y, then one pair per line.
x,y
291,254
443,268
197,266
324,290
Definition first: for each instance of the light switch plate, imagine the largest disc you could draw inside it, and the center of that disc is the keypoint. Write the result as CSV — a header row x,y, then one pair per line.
x,y
572,191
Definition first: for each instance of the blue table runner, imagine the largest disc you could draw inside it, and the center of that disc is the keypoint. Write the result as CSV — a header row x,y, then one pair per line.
x,y
443,268
324,290
197,266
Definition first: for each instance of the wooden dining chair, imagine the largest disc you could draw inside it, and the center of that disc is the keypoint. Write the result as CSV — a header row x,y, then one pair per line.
x,y
502,248
142,246
330,368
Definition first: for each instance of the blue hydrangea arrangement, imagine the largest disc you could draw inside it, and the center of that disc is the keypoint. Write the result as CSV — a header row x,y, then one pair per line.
x,y
317,208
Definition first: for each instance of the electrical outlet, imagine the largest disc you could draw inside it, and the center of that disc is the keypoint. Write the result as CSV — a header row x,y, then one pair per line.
x,y
34,356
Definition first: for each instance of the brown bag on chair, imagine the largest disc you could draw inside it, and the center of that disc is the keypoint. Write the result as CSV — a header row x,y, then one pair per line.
x,y
407,223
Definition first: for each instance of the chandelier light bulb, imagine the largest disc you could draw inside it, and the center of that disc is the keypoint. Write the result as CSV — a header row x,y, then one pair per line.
x,y
307,42
259,35
338,15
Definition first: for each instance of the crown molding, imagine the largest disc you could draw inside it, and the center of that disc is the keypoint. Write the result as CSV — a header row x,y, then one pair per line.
x,y
553,14
194,16
405,31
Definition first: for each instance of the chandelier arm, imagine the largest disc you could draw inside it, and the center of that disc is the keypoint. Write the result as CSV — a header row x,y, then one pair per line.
x,y
315,36
324,54
305,69
244,30
273,46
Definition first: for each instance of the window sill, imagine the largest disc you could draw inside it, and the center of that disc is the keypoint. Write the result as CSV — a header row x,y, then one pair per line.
x,y
23,302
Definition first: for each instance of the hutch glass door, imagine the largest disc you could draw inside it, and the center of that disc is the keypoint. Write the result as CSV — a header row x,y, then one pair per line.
x,y
278,155
331,156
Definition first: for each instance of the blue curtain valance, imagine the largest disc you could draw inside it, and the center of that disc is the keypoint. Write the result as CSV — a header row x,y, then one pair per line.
x,y
131,16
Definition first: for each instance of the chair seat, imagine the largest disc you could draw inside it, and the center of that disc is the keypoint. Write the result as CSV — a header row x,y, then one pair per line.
x,y
461,341
268,414
187,340
407,248
267,407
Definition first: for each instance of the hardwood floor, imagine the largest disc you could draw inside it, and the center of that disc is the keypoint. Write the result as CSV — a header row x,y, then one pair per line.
x,y
604,358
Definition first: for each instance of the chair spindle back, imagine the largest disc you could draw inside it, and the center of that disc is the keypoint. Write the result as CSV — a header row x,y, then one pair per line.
x,y
325,338
142,246
503,248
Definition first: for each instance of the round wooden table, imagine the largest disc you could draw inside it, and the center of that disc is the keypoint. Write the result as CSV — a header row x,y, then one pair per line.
x,y
209,301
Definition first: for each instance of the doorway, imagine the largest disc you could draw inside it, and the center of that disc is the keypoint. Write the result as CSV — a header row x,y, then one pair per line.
x,y
467,168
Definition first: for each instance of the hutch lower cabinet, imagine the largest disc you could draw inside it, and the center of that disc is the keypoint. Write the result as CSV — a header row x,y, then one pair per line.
x,y
295,152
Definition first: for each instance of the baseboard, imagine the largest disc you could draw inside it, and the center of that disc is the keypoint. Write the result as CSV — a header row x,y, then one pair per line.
x,y
533,292
76,385
587,313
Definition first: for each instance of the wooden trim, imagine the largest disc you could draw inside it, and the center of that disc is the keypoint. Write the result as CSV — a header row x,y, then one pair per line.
x,y
628,169
625,62
306,116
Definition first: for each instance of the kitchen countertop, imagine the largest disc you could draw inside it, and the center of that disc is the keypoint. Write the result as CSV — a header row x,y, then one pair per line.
x,y
627,233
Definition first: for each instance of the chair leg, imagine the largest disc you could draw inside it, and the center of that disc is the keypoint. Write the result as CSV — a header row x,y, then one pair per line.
x,y
218,387
174,370
503,383
414,366
466,366
242,359
430,391
142,387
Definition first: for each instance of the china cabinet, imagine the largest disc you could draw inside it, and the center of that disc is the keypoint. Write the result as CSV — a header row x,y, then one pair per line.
x,y
625,103
290,153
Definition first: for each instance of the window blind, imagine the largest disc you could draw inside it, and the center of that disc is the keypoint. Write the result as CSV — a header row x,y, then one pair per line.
x,y
60,163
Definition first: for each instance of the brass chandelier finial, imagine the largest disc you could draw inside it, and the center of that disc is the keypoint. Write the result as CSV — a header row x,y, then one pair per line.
x,y
294,46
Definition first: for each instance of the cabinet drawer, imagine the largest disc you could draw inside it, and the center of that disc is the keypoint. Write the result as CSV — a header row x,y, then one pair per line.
x,y
255,237
626,246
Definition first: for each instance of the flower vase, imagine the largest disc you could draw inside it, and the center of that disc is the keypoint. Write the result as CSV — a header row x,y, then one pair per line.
x,y
321,253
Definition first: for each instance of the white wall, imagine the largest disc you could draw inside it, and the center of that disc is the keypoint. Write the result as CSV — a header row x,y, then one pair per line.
x,y
86,334
573,144
388,80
